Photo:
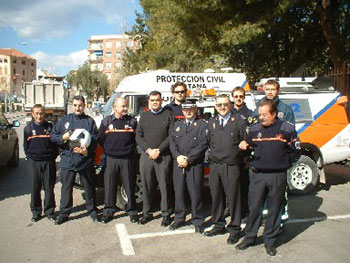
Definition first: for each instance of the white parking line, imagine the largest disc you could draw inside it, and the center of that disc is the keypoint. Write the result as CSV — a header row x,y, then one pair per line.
x,y
128,250
125,241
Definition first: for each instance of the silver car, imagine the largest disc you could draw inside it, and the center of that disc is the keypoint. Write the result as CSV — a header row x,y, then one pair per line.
x,y
9,148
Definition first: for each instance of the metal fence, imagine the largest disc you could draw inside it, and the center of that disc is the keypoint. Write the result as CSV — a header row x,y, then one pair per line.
x,y
341,77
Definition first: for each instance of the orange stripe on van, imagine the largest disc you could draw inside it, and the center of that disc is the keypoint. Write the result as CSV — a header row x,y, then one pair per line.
x,y
326,126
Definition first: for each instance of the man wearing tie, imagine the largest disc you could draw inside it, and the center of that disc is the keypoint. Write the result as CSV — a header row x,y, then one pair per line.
x,y
188,143
225,132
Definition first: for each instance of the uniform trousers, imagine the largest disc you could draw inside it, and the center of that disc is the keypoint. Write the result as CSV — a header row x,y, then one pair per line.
x,y
67,179
42,175
190,179
265,185
119,169
224,181
162,169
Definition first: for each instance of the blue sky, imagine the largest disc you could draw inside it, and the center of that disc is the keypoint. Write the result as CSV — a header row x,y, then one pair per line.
x,y
57,31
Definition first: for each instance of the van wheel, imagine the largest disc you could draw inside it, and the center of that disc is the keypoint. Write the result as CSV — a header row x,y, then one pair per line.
x,y
303,177
14,161
122,198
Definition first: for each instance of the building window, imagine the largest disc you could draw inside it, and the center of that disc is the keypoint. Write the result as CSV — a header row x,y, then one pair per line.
x,y
14,61
32,64
0,60
118,64
130,43
108,76
109,44
108,54
108,65
14,71
5,60
99,67
24,73
33,73
118,55
118,44
23,62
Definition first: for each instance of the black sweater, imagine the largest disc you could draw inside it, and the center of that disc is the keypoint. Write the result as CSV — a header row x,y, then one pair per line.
x,y
154,130
118,135
37,144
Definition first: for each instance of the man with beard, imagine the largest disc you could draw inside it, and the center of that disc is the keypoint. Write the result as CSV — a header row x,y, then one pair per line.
x,y
76,158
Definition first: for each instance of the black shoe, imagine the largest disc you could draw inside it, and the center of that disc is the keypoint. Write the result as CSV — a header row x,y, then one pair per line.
x,y
244,245
60,220
271,251
199,229
232,239
166,221
134,218
51,217
106,219
36,218
215,231
95,218
175,226
145,219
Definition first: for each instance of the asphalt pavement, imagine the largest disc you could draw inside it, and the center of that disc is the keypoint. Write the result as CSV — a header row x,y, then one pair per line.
x,y
317,231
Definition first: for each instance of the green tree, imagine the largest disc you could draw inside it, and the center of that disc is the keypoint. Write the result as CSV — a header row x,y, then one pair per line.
x,y
260,37
94,83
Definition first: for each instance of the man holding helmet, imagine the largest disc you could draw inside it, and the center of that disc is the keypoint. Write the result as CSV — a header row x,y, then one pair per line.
x,y
76,134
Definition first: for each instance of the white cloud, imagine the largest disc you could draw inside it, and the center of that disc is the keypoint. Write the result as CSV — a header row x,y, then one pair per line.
x,y
36,19
60,64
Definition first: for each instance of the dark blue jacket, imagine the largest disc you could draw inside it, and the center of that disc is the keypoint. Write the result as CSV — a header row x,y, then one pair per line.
x,y
189,141
285,112
69,159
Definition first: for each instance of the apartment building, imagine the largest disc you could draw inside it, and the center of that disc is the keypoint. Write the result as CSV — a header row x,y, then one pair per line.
x,y
15,68
106,53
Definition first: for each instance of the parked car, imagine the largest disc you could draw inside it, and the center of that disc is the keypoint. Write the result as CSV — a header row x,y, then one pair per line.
x,y
9,148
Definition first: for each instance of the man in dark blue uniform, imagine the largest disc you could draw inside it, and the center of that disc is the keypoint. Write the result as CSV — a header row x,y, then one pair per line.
x,y
76,158
117,135
276,147
241,109
152,135
225,132
41,154
188,143
284,113
179,91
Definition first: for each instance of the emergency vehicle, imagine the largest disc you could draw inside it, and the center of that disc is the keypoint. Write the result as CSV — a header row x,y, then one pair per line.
x,y
321,119
322,125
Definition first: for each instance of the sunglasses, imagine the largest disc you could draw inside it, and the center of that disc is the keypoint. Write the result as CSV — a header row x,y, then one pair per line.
x,y
180,92
238,96
222,105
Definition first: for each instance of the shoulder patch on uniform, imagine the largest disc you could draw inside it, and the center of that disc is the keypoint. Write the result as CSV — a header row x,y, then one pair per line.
x,y
178,129
280,114
66,125
232,118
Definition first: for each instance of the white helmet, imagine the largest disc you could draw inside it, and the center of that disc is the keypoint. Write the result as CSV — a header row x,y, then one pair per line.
x,y
79,138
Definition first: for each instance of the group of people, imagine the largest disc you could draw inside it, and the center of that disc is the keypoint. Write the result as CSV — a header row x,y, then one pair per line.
x,y
173,140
